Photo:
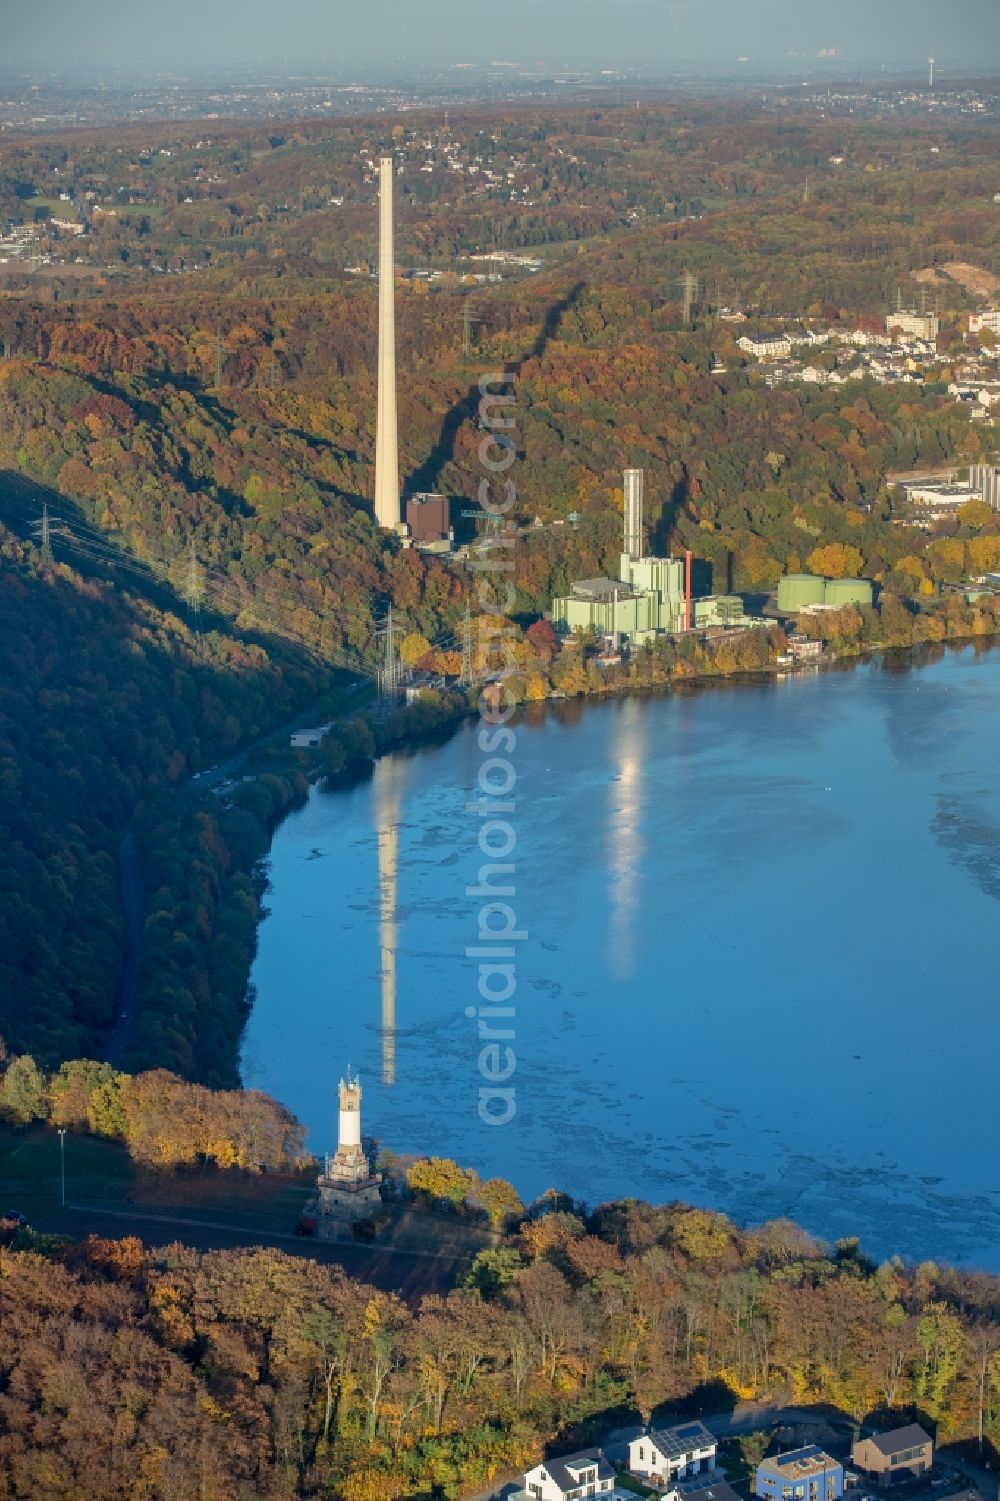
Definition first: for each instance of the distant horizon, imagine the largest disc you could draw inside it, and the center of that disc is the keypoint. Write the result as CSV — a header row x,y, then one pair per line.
x,y
655,39
752,70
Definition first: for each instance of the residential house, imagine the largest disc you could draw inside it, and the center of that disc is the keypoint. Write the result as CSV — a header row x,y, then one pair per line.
x,y
707,1487
586,1473
808,1474
667,1454
766,346
901,1454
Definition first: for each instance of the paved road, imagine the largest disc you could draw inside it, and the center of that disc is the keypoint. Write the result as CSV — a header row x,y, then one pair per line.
x,y
987,1482
213,775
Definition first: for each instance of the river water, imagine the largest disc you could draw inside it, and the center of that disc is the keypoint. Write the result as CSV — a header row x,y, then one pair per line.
x,y
760,971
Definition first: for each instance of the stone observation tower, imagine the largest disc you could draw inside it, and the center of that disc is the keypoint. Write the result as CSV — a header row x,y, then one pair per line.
x,y
387,511
348,1189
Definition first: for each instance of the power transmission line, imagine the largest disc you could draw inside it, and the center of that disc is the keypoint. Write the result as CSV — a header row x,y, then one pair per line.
x,y
690,286
195,583
194,586
467,647
44,534
389,672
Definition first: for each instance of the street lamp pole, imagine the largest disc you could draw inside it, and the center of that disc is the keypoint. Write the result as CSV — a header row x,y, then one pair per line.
x,y
62,1166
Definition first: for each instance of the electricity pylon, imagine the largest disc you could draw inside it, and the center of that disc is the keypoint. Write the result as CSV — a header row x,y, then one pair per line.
x,y
43,534
193,590
467,647
388,673
689,283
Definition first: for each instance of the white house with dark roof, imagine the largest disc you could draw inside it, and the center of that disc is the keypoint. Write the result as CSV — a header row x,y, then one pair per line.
x,y
586,1473
665,1455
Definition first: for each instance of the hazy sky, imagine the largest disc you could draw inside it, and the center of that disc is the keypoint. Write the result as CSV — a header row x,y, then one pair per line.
x,y
660,36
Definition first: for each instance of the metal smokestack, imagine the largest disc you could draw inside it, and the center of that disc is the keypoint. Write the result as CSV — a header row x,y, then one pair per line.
x,y
633,513
387,512
687,590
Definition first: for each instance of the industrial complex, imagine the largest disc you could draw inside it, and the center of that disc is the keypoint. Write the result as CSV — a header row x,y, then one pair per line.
x,y
650,597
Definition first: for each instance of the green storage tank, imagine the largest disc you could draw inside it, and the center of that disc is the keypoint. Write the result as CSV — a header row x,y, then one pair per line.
x,y
796,590
848,592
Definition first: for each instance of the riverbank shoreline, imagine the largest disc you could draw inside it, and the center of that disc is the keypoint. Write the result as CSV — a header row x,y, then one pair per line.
x,y
677,858
288,773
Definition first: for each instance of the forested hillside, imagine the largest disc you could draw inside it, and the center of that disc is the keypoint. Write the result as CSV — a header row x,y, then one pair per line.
x,y
240,1374
106,703
209,436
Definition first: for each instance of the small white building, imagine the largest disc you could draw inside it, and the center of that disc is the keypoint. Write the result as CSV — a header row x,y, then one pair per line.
x,y
863,338
987,319
665,1455
766,346
586,1473
310,739
920,325
940,495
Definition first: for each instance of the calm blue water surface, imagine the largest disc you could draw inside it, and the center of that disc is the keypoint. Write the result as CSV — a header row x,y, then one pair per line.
x,y
761,971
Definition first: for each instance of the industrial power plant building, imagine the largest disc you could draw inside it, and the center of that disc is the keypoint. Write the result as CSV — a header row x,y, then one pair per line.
x,y
651,595
806,591
647,599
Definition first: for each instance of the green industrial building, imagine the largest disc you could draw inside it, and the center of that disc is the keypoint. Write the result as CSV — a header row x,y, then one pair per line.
x,y
799,591
647,599
721,609
849,592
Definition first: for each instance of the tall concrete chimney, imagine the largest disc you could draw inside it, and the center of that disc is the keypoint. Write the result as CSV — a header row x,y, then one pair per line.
x,y
387,511
633,513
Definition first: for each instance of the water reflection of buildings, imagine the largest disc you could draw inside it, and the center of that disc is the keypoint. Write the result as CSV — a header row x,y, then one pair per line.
x,y
625,839
387,793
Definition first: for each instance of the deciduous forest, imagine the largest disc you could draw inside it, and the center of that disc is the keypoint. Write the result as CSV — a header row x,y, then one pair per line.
x,y
242,1374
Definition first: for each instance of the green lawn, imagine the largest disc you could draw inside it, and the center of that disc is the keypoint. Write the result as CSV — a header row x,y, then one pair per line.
x,y
29,1170
106,1193
57,207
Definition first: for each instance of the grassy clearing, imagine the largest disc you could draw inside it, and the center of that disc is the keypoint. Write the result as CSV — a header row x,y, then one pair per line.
x,y
101,1175
29,1170
57,207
